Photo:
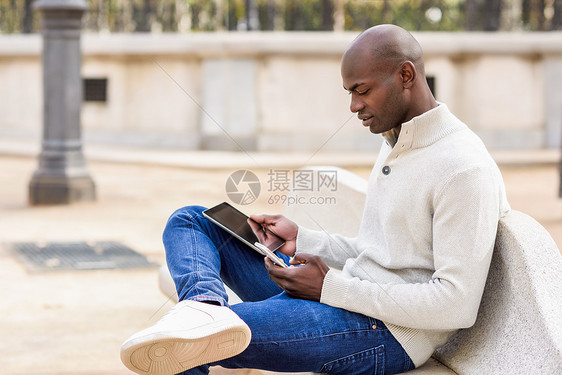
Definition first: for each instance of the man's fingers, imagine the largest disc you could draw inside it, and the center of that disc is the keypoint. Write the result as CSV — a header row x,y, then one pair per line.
x,y
276,273
258,218
273,269
268,264
265,219
300,258
258,230
301,282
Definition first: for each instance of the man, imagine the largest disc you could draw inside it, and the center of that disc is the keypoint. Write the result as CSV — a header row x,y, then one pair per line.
x,y
380,302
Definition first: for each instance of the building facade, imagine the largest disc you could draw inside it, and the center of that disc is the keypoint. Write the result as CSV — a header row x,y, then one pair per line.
x,y
281,91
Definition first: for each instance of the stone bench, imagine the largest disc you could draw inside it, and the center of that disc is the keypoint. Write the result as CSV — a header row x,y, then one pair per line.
x,y
519,324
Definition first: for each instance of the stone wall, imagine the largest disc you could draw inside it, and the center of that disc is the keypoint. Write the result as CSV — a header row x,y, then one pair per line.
x,y
283,91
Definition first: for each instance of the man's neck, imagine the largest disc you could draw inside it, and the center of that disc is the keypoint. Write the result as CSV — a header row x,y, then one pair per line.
x,y
391,136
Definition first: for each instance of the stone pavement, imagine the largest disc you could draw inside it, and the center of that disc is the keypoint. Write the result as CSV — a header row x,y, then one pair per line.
x,y
73,322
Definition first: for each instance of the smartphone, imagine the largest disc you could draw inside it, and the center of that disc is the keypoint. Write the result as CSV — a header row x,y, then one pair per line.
x,y
245,229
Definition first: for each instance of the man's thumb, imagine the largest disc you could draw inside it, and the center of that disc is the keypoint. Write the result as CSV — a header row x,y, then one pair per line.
x,y
300,258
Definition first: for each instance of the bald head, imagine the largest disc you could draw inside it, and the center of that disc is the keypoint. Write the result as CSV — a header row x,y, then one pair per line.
x,y
386,47
383,71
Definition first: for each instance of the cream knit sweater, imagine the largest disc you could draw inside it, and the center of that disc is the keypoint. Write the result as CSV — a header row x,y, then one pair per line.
x,y
420,260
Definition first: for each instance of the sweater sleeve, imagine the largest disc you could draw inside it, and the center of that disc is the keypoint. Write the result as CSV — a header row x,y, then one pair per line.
x,y
465,218
334,249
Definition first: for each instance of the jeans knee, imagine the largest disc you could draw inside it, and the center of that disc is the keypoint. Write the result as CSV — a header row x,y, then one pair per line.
x,y
187,213
181,216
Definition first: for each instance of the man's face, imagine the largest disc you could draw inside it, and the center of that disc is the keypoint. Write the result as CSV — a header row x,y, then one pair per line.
x,y
376,95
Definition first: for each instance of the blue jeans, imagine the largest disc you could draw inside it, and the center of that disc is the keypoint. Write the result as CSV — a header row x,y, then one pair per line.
x,y
288,334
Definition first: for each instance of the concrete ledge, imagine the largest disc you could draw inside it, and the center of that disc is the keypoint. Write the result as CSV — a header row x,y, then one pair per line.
x,y
296,43
519,325
173,157
348,203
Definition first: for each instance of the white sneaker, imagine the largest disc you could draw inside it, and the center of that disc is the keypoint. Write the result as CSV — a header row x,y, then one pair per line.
x,y
189,335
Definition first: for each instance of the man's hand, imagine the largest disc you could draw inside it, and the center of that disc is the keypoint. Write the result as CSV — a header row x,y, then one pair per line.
x,y
282,227
304,281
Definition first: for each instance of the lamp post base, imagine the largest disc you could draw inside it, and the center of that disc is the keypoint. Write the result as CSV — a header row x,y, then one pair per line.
x,y
45,190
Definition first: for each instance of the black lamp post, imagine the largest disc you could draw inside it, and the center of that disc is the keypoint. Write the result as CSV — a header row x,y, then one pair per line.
x,y
62,176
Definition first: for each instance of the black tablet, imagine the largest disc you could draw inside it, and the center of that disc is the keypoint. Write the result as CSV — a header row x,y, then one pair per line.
x,y
245,229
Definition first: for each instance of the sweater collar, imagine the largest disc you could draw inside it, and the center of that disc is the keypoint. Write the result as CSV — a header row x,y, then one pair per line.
x,y
429,127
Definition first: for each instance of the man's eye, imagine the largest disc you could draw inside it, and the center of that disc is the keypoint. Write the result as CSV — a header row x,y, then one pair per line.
x,y
362,92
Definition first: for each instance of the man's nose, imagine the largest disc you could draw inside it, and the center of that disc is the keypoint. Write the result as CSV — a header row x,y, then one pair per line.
x,y
356,105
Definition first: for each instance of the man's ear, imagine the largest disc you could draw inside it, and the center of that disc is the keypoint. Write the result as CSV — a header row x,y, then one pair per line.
x,y
408,74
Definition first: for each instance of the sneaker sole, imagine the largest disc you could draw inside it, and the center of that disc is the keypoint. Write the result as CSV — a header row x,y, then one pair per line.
x,y
173,355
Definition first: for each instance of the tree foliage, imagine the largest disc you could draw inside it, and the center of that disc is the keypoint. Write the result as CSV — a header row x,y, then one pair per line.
x,y
17,16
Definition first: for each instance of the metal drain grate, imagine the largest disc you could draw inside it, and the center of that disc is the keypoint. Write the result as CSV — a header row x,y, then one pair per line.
x,y
54,256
